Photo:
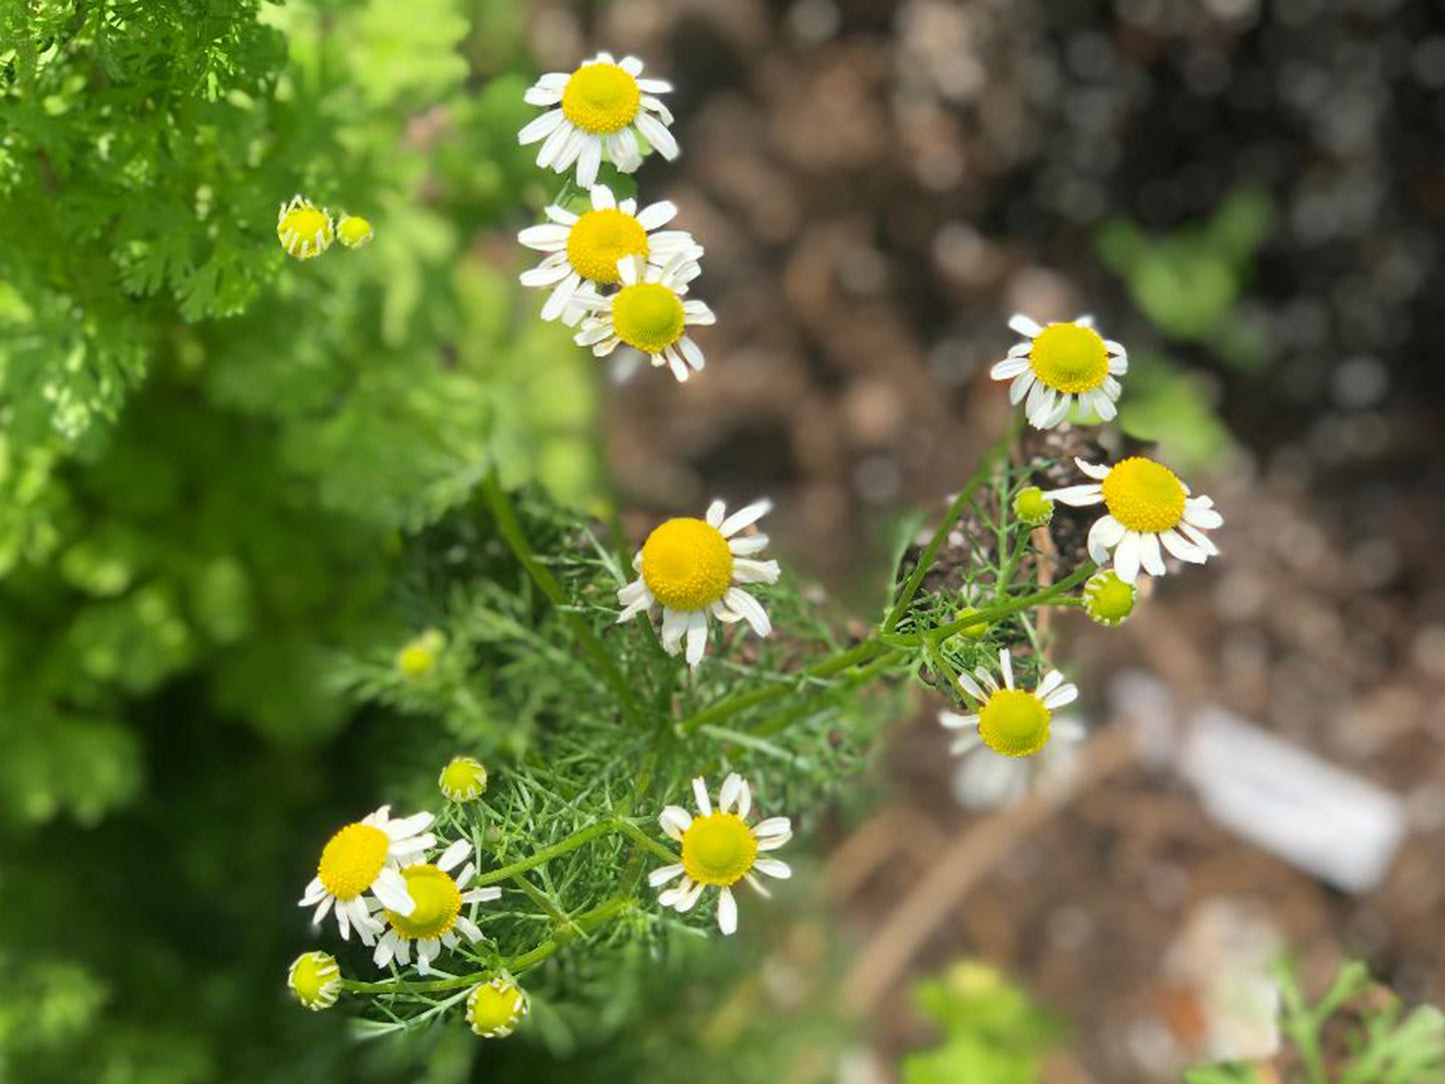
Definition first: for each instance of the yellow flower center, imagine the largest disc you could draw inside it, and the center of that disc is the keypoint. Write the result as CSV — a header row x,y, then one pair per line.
x,y
438,901
718,849
686,564
599,239
601,98
1108,599
495,1009
1032,507
354,231
351,860
314,979
463,779
1014,723
1069,358
1144,495
648,316
301,224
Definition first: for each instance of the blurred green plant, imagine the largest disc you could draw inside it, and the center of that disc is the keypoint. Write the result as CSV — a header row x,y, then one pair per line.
x,y
1357,1033
993,1033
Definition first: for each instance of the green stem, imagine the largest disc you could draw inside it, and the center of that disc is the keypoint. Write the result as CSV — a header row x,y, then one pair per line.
x,y
1023,602
546,854
642,839
507,522
925,561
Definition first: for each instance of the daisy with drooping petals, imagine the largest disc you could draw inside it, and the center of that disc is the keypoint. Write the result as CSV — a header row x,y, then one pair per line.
x,y
434,922
588,247
693,567
1148,506
601,108
985,781
1012,722
1059,365
364,857
719,848
649,315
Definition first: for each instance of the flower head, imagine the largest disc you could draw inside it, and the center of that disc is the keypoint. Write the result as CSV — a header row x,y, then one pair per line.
x,y
464,779
1032,507
1108,600
1147,507
436,919
304,230
364,858
719,848
1012,722
694,567
353,231
419,657
1061,364
494,1009
587,248
597,113
315,980
985,781
649,315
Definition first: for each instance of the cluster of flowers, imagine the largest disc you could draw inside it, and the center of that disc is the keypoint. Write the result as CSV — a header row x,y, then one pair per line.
x,y
614,273
306,231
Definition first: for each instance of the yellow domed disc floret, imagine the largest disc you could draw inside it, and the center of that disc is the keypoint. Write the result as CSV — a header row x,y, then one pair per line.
x,y
1014,723
304,230
686,564
601,98
1069,358
438,902
351,860
718,849
315,980
353,231
1032,507
1108,600
1143,495
463,779
648,316
599,239
495,1008
419,658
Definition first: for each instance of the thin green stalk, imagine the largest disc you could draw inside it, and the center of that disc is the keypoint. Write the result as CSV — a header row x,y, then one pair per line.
x,y
1023,602
955,509
546,854
507,522
642,839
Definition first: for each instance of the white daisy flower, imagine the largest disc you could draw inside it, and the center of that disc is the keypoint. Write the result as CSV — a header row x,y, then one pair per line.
x,y
364,857
1148,506
1012,722
1059,365
649,315
986,781
588,247
436,920
602,107
719,848
693,567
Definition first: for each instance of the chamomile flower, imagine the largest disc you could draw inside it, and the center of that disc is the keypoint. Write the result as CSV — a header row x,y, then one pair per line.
x,y
353,231
985,781
1108,600
601,108
304,230
315,980
1032,508
436,920
694,567
719,848
649,315
364,857
587,247
1059,365
464,779
1147,507
494,1009
1012,722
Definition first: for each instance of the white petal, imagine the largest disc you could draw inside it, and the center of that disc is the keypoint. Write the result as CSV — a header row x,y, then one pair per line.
x,y
727,912
1006,667
1126,557
699,794
729,793
1024,326
541,127
674,820
656,215
1064,694
1008,368
1051,679
1097,471
741,602
657,134
1020,387
971,687
747,516
454,854
774,868
1103,536
696,637
1182,548
1149,555
1078,496
663,874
